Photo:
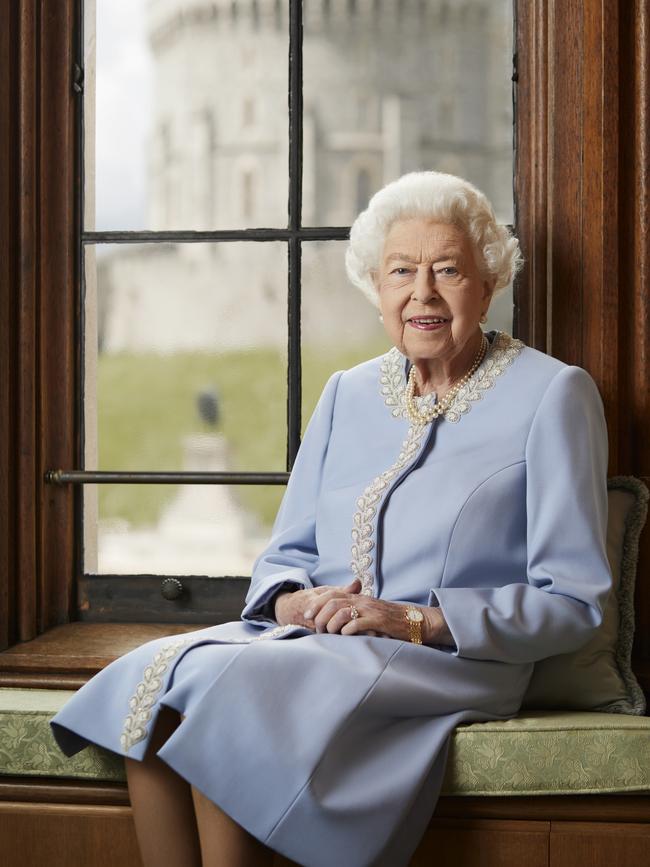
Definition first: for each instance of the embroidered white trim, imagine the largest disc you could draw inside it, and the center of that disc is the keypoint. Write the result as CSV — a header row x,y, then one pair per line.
x,y
146,692
272,633
392,379
362,542
504,351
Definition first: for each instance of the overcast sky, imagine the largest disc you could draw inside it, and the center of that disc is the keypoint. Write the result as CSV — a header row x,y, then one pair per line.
x,y
123,114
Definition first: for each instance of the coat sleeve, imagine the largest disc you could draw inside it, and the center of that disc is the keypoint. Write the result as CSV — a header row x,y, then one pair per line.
x,y
559,605
291,555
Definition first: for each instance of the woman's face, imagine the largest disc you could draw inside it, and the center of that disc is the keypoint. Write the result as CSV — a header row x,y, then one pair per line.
x,y
431,292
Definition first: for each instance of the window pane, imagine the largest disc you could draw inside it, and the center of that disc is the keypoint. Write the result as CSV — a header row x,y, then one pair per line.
x,y
185,356
340,327
190,338
186,114
177,529
392,87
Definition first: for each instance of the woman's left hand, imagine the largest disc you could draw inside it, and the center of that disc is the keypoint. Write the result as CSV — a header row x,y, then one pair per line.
x,y
379,617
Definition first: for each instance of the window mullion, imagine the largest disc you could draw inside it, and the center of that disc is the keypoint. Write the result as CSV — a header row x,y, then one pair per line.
x,y
294,376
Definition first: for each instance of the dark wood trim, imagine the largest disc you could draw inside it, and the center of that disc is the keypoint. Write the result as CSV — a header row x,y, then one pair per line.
x,y
8,336
138,598
531,176
583,210
58,301
37,288
53,790
634,276
25,365
595,808
67,656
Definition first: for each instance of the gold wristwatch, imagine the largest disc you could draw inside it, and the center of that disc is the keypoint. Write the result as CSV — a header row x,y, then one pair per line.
x,y
414,618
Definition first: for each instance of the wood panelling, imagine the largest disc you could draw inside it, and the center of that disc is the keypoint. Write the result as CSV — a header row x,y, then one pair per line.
x,y
596,845
499,831
59,317
582,210
37,302
60,835
8,336
633,282
477,843
531,171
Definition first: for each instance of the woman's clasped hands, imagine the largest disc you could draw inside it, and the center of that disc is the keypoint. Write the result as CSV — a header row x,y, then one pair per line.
x,y
331,609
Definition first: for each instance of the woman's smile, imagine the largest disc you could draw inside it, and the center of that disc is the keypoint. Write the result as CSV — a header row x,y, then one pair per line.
x,y
427,323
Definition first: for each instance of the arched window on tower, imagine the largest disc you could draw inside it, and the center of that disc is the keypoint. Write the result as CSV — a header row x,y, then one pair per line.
x,y
248,111
166,215
363,189
248,194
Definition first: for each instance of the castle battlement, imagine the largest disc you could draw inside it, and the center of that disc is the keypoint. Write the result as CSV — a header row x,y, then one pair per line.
x,y
166,18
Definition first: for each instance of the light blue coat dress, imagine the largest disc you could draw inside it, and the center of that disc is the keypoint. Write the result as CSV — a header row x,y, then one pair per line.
x,y
331,749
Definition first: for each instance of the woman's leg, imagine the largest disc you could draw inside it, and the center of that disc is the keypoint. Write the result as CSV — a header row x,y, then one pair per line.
x,y
163,810
166,823
224,843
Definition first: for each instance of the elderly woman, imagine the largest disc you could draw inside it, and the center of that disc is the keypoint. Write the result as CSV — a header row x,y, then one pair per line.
x,y
442,529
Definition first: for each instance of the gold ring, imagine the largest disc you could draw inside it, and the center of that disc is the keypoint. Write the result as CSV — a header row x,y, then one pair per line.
x,y
353,612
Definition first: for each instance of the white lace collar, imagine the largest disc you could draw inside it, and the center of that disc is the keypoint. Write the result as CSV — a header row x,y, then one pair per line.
x,y
392,378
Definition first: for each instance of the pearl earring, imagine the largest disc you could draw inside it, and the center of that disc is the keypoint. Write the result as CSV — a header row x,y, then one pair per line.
x,y
483,318
381,318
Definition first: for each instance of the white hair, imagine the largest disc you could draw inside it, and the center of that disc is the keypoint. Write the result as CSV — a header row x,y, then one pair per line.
x,y
437,196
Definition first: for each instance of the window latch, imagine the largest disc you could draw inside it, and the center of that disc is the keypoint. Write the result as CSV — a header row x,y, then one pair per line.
x,y
77,78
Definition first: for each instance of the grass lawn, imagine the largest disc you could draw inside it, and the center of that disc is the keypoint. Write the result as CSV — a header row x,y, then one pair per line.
x,y
147,403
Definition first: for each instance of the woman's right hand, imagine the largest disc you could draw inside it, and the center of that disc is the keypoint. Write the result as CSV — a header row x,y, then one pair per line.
x,y
290,607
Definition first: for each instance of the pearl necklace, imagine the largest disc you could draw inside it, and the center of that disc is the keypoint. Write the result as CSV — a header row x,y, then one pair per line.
x,y
416,415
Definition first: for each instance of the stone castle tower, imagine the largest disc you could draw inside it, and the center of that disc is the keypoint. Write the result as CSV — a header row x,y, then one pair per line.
x,y
389,86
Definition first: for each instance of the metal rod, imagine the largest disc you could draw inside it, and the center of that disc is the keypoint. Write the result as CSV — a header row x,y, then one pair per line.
x,y
88,477
312,233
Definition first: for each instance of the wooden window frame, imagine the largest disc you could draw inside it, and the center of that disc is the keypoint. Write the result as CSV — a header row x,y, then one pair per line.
x,y
582,145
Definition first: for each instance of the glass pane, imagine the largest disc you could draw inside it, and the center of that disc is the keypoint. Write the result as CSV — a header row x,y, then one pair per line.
x,y
340,327
186,366
392,87
185,114
177,529
185,356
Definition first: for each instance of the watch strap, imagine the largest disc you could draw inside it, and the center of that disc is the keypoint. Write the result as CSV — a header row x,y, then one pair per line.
x,y
415,629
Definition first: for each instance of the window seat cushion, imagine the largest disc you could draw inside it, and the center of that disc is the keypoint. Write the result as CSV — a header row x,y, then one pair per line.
x,y
537,753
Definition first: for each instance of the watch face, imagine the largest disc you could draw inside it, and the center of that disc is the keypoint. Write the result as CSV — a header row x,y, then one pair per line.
x,y
414,615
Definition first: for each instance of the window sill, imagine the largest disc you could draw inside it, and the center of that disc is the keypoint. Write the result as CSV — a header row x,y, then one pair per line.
x,y
67,656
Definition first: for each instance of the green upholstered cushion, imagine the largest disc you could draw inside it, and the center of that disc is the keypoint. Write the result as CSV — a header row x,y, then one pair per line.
x,y
551,753
599,675
544,753
27,747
